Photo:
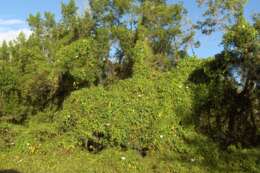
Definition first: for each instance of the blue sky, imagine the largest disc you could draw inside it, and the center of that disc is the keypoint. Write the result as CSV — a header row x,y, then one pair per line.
x,y
13,14
210,45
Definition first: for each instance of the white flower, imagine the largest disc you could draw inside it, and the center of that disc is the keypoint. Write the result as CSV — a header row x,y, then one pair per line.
x,y
161,136
123,158
19,161
192,160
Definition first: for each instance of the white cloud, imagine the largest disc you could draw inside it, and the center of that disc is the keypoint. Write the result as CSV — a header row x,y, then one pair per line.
x,y
13,34
11,28
8,22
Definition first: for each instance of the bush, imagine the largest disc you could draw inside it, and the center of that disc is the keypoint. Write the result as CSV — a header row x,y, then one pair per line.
x,y
81,61
26,88
11,107
142,113
39,89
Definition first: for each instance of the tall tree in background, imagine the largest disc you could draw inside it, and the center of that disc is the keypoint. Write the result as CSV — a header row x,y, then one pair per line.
x,y
219,14
69,20
126,22
163,25
4,52
233,100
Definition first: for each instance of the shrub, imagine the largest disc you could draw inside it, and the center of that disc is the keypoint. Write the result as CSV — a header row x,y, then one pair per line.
x,y
11,107
142,113
80,60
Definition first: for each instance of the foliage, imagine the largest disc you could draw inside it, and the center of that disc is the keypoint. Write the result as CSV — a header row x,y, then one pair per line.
x,y
10,102
80,60
219,14
114,90
230,110
136,113
143,58
143,125
161,23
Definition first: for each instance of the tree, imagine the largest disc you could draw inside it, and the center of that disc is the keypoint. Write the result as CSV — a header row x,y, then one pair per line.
x,y
256,19
162,23
219,14
233,100
69,13
43,33
4,52
127,22
70,20
35,22
109,13
232,105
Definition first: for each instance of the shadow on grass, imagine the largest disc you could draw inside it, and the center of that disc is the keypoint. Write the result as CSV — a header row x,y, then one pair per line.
x,y
9,171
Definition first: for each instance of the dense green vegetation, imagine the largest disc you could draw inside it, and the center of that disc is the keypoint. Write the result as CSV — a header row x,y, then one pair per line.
x,y
68,105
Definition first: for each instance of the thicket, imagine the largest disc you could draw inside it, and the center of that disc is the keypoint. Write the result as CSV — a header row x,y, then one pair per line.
x,y
230,110
133,98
